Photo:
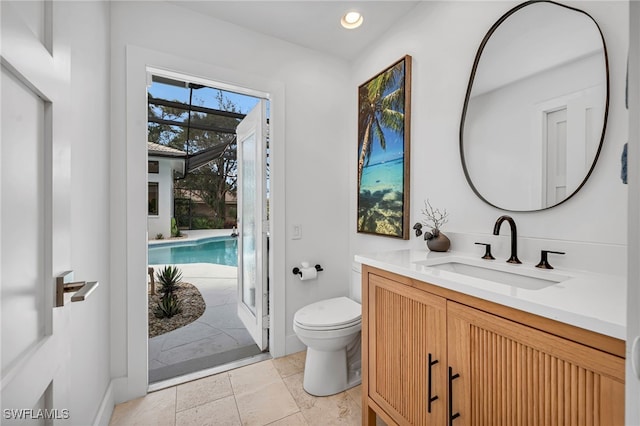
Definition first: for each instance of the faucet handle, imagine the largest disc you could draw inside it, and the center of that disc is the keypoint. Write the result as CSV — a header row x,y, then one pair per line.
x,y
487,252
544,264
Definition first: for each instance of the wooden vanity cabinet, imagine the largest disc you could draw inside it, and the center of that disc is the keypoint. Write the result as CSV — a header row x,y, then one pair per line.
x,y
406,346
512,374
489,371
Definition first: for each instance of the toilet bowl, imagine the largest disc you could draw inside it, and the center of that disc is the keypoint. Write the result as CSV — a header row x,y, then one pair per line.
x,y
331,331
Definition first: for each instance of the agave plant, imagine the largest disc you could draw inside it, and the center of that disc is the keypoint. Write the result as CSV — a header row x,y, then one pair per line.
x,y
169,277
168,306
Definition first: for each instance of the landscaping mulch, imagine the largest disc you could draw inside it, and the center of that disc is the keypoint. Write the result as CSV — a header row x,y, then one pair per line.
x,y
192,308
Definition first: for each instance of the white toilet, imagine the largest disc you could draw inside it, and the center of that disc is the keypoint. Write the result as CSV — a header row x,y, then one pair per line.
x,y
331,330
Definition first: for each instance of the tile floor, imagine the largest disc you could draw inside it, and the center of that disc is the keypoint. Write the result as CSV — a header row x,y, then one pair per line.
x,y
266,393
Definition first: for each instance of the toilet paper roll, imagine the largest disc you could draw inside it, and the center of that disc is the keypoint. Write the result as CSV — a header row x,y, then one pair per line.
x,y
308,273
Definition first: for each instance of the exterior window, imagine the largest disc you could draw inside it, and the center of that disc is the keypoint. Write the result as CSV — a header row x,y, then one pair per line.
x,y
153,198
154,167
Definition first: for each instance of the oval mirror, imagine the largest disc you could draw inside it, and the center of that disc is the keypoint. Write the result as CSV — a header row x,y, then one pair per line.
x,y
536,107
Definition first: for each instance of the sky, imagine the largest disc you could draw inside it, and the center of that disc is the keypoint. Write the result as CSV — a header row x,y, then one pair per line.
x,y
394,140
395,145
205,97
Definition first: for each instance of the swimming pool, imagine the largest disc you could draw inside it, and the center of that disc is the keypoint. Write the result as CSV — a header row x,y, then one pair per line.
x,y
218,250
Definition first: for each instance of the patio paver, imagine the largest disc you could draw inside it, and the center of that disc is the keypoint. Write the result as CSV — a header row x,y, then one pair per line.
x,y
210,340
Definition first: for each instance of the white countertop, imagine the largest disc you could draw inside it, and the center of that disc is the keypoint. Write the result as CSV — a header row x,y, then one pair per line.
x,y
596,302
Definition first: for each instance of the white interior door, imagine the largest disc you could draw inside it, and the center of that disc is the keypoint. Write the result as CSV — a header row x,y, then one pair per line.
x,y
253,225
34,216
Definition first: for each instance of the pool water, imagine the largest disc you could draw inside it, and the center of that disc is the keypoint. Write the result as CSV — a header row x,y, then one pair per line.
x,y
218,250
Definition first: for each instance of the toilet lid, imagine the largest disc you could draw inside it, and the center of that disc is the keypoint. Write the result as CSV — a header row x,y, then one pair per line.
x,y
337,312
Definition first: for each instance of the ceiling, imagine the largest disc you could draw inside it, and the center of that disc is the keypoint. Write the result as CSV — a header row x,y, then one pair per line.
x,y
309,23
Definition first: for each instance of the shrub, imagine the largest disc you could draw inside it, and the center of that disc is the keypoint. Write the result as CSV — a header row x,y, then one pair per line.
x,y
168,278
175,231
168,306
203,223
230,224
159,236
217,223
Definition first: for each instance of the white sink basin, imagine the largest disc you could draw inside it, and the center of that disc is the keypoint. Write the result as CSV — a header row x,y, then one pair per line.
x,y
520,278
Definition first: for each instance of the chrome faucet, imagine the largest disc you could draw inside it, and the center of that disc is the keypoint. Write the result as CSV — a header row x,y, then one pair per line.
x,y
514,236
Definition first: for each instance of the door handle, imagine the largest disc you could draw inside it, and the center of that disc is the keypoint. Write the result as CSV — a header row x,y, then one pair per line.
x,y
452,377
432,397
81,289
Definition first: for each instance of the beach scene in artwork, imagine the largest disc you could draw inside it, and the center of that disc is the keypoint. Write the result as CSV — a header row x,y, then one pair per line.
x,y
381,152
381,197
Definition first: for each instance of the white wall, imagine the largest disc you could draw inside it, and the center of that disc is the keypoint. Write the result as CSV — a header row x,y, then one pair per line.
x,y
443,38
86,28
309,165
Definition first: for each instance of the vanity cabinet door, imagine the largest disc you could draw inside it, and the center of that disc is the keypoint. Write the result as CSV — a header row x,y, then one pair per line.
x,y
406,330
511,374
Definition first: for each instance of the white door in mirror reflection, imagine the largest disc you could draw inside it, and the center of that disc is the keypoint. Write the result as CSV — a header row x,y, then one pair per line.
x,y
556,146
569,140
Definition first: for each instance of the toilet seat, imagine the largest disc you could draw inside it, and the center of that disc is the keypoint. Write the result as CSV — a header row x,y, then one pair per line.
x,y
330,314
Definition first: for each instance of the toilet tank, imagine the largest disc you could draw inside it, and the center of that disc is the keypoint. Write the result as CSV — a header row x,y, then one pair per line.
x,y
355,290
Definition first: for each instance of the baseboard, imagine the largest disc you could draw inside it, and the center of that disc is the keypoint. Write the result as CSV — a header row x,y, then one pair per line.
x,y
106,407
124,391
293,345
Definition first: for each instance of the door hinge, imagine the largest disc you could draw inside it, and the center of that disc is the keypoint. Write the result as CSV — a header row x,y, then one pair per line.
x,y
265,322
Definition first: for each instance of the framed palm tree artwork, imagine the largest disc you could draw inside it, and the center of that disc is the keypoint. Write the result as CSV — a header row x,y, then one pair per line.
x,y
384,107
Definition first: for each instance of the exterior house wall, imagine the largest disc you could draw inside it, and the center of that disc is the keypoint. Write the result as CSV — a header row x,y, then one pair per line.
x,y
161,223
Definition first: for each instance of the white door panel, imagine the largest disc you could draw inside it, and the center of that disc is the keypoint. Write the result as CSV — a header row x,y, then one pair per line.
x,y
34,216
23,210
252,239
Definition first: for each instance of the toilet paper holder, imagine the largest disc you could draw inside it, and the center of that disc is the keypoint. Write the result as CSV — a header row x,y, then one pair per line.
x,y
297,271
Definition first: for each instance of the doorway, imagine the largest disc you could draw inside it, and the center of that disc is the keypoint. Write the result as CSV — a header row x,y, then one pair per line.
x,y
210,181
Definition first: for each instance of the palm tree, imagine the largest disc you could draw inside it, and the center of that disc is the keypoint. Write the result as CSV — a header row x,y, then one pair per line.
x,y
381,103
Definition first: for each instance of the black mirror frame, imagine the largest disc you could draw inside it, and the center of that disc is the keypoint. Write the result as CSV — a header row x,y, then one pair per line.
x,y
470,87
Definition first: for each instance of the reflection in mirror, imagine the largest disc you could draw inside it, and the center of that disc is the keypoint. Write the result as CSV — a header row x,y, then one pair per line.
x,y
536,107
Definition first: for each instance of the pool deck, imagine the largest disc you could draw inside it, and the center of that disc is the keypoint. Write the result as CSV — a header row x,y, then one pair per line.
x,y
218,336
194,235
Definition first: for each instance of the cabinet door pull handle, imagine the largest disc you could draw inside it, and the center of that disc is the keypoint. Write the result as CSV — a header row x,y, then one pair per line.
x,y
452,377
432,397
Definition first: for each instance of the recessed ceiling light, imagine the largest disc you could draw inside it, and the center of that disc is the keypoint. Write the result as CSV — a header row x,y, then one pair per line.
x,y
351,20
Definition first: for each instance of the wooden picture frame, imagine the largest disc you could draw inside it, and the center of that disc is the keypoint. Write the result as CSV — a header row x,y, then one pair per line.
x,y
384,118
